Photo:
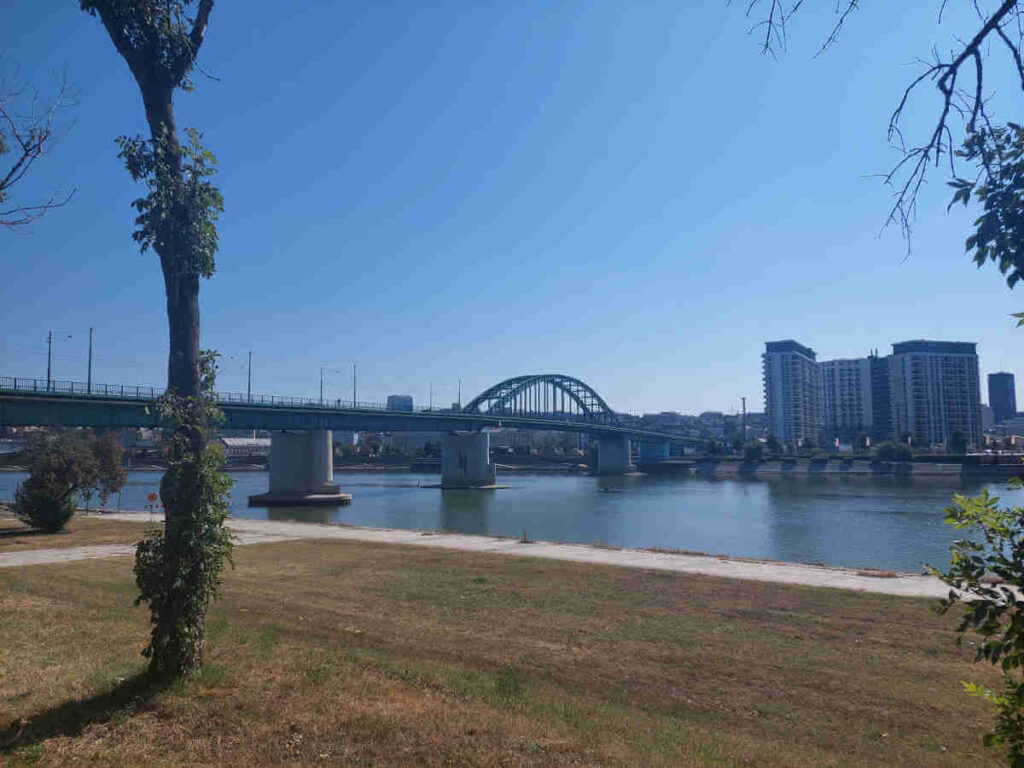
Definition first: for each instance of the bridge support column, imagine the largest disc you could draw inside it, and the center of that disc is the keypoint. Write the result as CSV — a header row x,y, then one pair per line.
x,y
466,461
613,456
652,453
301,471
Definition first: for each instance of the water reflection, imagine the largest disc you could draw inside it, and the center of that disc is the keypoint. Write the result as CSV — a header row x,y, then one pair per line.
x,y
467,511
882,521
318,514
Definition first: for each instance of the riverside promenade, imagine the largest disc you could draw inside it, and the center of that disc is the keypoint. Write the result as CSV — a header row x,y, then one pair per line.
x,y
269,531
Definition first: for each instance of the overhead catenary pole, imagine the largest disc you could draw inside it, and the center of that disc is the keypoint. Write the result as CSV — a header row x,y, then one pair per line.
x,y
321,385
49,359
88,383
248,386
744,418
353,385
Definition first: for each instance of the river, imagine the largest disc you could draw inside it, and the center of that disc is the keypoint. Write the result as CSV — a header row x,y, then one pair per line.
x,y
882,522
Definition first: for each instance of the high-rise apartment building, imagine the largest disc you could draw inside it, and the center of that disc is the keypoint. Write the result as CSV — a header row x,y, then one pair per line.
x,y
935,391
791,391
847,406
1002,396
881,398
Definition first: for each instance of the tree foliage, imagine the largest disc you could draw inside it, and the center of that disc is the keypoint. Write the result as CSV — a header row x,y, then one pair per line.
x,y
752,451
178,217
890,451
63,467
957,442
999,231
861,442
986,578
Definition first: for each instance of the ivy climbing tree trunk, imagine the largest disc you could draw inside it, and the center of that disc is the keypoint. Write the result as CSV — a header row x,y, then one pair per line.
x,y
178,570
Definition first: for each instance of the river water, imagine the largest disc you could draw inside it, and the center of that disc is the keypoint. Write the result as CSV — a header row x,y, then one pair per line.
x,y
883,522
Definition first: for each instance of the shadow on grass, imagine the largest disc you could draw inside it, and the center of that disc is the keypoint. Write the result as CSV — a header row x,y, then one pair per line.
x,y
72,717
12,533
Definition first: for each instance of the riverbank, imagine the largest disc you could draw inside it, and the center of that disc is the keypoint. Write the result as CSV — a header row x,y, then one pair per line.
x,y
88,539
830,466
357,652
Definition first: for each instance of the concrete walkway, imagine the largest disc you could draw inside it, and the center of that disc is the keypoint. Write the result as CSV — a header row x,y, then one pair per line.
x,y
266,531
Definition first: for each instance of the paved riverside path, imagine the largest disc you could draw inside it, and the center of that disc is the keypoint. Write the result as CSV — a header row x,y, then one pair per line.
x,y
266,531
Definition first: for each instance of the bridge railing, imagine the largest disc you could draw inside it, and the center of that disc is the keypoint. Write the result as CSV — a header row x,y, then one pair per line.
x,y
132,392
60,387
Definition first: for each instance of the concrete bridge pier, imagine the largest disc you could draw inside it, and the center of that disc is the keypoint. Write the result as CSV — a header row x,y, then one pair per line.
x,y
652,453
301,471
466,460
613,455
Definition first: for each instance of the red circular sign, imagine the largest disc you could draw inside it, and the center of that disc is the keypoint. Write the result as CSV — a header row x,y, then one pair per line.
x,y
152,497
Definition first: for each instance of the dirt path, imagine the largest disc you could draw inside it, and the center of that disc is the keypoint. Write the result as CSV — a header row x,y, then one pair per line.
x,y
264,531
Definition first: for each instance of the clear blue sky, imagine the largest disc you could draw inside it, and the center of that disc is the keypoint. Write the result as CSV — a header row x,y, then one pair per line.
x,y
626,192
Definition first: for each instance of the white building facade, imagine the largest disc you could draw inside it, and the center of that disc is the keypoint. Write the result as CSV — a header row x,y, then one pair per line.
x,y
935,391
791,391
846,397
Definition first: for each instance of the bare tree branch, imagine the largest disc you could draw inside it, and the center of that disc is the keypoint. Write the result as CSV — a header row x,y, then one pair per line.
x,y
851,6
908,175
27,132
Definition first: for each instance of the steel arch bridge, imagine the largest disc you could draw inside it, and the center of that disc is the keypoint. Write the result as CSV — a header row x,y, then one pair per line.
x,y
552,395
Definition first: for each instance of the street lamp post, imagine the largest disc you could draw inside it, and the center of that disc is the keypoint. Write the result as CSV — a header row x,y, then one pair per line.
x,y
49,360
248,386
88,384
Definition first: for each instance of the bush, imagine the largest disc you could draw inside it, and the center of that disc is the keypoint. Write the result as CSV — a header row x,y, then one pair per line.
x,y
62,467
985,577
752,452
44,504
890,451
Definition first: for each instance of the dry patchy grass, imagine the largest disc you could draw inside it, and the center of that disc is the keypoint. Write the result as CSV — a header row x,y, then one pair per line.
x,y
81,531
343,653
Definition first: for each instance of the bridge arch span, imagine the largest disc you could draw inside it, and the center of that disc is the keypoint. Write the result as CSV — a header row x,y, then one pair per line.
x,y
553,395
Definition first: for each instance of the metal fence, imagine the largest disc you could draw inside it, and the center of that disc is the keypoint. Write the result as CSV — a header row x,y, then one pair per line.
x,y
132,392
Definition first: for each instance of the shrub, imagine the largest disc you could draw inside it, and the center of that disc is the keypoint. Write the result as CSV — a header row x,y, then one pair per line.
x,y
890,451
63,466
752,452
991,607
44,503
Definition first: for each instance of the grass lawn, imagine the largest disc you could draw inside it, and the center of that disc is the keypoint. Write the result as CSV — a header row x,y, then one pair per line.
x,y
343,653
80,531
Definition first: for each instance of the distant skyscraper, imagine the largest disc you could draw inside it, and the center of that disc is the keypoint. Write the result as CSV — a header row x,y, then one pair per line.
x,y
847,407
399,402
1002,396
791,391
935,391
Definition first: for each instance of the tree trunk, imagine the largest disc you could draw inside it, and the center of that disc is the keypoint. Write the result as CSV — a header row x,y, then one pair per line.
x,y
183,630
183,324
180,284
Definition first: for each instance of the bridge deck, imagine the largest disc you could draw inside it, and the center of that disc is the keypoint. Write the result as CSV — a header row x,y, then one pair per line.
x,y
36,402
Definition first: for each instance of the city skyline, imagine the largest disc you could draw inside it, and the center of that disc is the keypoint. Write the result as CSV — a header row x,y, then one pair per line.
x,y
502,236
926,390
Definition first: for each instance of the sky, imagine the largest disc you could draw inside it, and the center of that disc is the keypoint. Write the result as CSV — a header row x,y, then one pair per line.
x,y
629,193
